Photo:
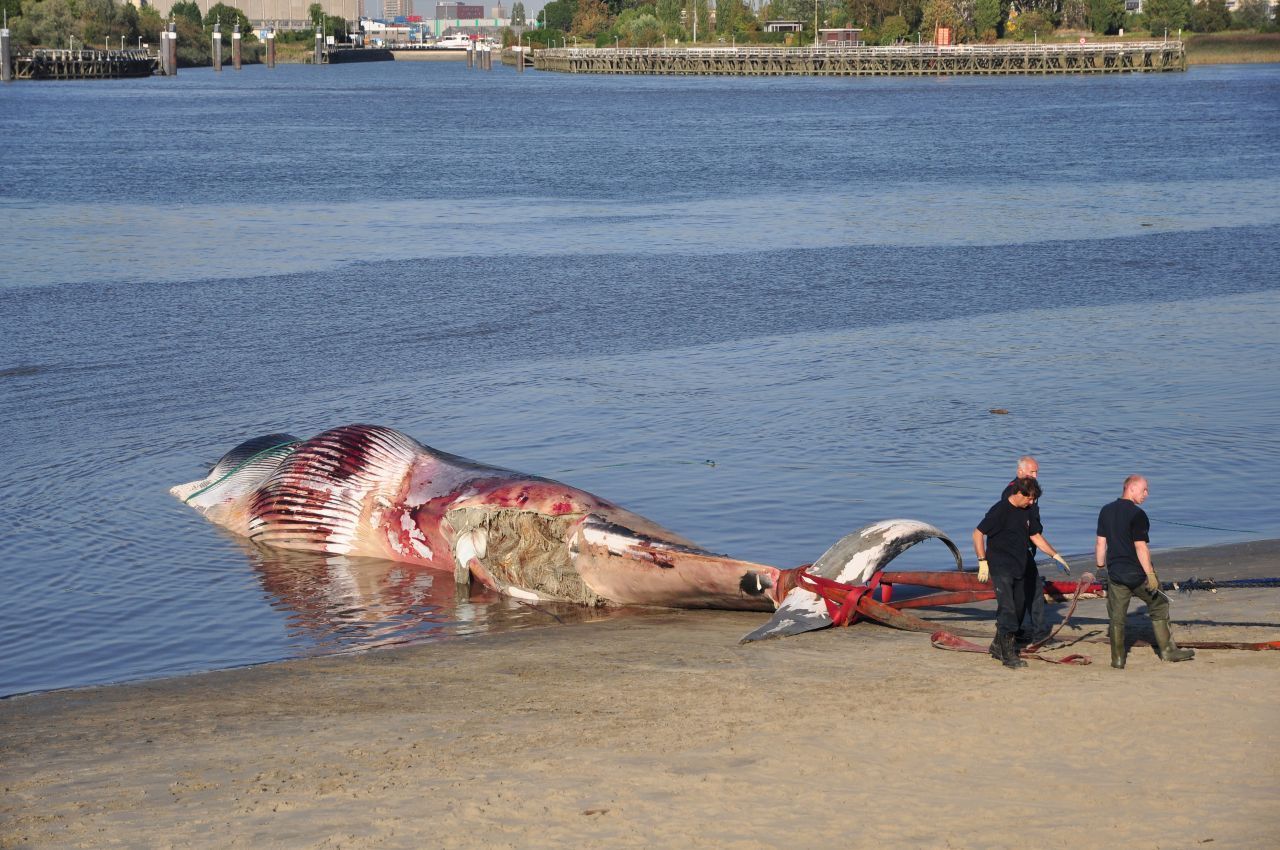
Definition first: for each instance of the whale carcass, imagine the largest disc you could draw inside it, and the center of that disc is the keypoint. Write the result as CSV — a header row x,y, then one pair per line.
x,y
373,491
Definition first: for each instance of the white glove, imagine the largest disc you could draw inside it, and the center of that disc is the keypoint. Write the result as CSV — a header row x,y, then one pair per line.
x,y
1062,562
984,571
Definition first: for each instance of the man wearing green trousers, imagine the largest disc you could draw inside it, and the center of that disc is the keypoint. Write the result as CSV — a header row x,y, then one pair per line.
x,y
1123,549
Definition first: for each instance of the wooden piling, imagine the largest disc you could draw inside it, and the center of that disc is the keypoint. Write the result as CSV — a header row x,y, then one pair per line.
x,y
217,46
271,48
235,48
319,54
846,61
171,52
6,59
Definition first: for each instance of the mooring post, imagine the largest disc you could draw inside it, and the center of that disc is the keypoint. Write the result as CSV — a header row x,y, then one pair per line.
x,y
520,53
271,48
235,48
470,56
6,60
171,53
319,57
217,46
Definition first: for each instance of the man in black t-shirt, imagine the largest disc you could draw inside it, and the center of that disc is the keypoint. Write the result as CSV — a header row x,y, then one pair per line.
x,y
1001,541
1033,587
1123,551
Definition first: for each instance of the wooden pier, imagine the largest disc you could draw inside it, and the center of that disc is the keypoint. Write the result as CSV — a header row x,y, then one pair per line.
x,y
44,64
904,60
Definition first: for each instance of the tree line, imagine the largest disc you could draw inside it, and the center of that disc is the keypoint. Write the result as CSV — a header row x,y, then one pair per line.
x,y
112,24
645,23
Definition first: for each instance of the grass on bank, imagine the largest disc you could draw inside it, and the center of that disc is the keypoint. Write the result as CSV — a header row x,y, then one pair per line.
x,y
1224,48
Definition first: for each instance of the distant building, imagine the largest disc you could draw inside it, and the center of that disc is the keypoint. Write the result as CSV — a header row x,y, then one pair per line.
x,y
783,26
843,36
281,14
459,11
392,9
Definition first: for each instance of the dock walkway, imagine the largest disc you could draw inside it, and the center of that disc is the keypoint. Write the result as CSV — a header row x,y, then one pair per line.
x,y
45,64
903,60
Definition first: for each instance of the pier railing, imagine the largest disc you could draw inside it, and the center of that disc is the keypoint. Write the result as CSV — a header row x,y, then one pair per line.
x,y
47,64
769,60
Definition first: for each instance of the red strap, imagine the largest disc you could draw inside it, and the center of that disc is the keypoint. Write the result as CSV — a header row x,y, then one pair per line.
x,y
945,640
841,599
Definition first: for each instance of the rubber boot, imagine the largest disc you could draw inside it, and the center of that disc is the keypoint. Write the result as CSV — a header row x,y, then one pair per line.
x,y
1116,634
1169,651
1011,658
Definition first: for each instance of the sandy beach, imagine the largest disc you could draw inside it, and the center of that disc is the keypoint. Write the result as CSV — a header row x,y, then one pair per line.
x,y
661,730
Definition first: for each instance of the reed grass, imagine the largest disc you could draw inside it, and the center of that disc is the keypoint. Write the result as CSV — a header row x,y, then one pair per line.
x,y
1221,48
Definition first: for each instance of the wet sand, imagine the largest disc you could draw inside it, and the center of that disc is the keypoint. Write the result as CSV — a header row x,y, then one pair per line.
x,y
661,730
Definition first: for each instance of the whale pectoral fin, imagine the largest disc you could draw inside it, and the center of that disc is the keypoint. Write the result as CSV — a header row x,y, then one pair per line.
x,y
854,559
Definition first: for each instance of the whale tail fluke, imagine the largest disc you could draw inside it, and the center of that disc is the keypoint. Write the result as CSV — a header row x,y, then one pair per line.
x,y
238,471
853,560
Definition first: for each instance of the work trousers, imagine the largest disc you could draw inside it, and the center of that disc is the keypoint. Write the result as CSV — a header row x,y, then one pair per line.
x,y
1034,601
1011,598
1118,596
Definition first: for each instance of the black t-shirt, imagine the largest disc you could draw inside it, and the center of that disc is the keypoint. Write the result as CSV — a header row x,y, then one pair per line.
x,y
1035,520
1008,530
1121,523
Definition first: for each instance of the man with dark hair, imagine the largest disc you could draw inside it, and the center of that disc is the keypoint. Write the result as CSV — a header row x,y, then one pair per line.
x,y
1029,467
1004,535
1123,550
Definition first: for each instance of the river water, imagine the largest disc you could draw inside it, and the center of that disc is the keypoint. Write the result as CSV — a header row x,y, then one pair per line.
x,y
762,312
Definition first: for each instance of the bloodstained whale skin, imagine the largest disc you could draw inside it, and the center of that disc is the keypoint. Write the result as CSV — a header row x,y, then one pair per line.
x,y
372,491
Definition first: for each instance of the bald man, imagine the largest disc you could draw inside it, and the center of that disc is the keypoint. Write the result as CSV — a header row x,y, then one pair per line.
x,y
1032,586
1123,549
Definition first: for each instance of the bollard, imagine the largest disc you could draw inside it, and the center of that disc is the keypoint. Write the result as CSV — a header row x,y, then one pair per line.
x,y
6,61
319,57
235,48
217,46
271,49
171,53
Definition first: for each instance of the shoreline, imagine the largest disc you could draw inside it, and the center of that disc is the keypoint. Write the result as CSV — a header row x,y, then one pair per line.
x,y
662,730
